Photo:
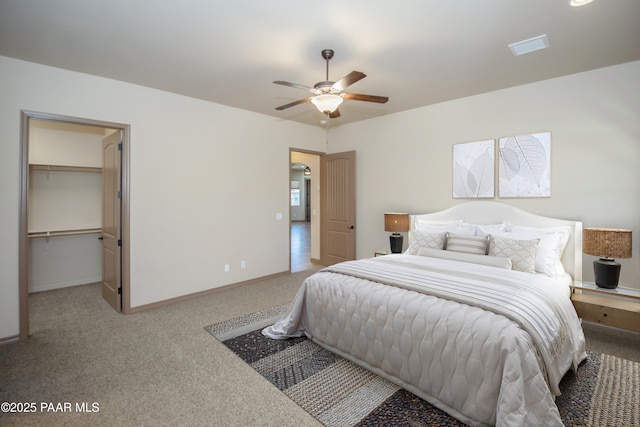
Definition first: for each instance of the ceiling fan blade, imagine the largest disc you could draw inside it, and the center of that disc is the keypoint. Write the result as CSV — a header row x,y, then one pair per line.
x,y
334,114
348,80
296,85
368,98
293,104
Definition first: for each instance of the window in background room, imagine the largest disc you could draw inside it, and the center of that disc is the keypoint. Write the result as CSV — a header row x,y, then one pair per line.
x,y
295,197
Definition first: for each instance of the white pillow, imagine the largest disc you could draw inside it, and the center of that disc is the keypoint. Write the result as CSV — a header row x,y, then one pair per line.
x,y
486,229
425,239
553,240
493,261
467,244
457,226
422,221
521,252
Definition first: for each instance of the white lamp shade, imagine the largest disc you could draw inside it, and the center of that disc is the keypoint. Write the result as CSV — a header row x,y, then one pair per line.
x,y
327,103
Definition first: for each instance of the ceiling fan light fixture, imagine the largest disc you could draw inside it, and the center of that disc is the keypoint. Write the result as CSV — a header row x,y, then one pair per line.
x,y
578,3
328,95
327,103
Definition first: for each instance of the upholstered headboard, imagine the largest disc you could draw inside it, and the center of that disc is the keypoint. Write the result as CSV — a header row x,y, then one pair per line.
x,y
492,212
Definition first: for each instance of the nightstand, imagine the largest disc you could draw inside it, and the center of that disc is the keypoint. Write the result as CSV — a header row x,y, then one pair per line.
x,y
380,253
619,307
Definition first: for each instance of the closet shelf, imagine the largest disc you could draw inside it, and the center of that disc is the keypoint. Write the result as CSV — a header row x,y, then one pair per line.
x,y
61,168
33,234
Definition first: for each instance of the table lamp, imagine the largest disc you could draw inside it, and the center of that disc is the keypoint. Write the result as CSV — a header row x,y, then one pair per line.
x,y
607,244
396,223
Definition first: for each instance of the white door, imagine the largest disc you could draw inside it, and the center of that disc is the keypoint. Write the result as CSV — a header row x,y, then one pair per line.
x,y
111,243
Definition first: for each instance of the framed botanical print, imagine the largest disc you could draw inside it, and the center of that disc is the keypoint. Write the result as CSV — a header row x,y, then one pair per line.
x,y
524,165
474,169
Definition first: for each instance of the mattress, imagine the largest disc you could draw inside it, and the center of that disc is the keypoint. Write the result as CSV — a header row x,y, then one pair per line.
x,y
487,345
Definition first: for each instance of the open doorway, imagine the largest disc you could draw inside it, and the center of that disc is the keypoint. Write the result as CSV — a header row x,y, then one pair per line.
x,y
66,226
304,211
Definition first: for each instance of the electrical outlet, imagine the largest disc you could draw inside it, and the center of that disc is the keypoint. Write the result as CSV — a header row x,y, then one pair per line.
x,y
243,264
226,267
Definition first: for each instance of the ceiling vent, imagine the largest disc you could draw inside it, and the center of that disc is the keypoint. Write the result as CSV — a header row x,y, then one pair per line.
x,y
530,45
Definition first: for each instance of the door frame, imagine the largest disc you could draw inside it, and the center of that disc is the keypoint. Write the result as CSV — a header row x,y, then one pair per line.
x,y
23,245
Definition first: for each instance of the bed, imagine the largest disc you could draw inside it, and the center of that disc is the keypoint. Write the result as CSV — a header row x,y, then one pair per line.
x,y
474,317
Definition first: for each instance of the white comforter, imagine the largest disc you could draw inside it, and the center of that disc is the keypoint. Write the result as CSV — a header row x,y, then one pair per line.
x,y
489,346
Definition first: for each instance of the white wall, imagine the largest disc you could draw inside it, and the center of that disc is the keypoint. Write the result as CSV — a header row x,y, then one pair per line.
x,y
404,160
64,201
61,200
191,212
62,261
66,144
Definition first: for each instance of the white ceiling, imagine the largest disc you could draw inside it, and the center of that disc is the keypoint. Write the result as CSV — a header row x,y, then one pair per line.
x,y
416,52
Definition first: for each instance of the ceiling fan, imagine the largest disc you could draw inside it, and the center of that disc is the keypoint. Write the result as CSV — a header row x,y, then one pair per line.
x,y
328,95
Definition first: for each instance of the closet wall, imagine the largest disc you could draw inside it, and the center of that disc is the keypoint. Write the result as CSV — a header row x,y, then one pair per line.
x,y
64,206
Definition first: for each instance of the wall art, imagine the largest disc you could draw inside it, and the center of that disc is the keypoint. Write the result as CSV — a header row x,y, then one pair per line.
x,y
474,169
524,165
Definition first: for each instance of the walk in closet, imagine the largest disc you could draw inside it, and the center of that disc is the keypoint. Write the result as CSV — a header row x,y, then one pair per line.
x,y
64,204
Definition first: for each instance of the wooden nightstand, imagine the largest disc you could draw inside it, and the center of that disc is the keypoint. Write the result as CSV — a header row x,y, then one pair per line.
x,y
619,307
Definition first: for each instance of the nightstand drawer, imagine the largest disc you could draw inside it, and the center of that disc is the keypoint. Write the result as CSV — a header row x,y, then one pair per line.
x,y
608,311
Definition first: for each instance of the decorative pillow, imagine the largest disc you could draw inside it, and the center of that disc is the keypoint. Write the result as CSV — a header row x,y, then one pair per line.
x,y
521,252
553,240
424,239
493,261
467,244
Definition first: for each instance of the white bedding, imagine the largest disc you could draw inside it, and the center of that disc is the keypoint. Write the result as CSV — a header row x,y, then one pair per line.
x,y
437,332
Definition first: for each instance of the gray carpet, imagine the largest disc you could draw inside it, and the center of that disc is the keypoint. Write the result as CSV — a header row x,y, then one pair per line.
x,y
154,368
605,391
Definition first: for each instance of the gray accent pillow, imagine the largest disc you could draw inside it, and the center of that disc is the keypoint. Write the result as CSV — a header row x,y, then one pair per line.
x,y
467,244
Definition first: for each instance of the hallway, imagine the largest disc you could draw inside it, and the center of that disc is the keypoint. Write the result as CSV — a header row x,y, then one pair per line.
x,y
300,246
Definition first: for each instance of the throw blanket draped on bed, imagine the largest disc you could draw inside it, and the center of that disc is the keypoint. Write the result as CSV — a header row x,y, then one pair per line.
x,y
537,304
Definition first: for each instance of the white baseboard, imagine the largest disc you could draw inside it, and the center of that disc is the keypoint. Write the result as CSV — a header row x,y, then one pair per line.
x,y
52,286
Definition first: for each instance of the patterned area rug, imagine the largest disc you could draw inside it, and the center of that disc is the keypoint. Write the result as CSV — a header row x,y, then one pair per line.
x,y
604,392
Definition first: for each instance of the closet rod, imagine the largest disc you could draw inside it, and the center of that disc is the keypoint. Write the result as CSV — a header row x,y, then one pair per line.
x,y
61,168
64,232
